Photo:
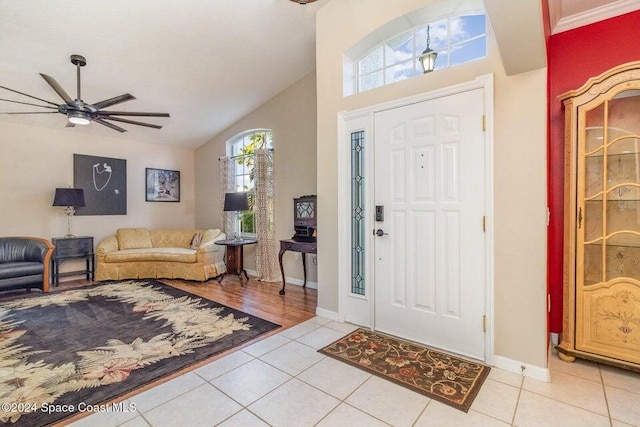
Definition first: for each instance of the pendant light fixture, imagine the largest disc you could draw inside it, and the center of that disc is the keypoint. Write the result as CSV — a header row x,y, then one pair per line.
x,y
428,57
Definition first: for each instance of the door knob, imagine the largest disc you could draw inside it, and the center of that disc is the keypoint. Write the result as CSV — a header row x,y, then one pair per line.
x,y
380,232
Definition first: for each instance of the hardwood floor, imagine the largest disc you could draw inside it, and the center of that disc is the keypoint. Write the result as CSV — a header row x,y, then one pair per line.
x,y
258,298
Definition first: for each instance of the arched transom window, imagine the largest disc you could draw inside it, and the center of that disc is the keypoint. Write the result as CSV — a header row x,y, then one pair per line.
x,y
456,39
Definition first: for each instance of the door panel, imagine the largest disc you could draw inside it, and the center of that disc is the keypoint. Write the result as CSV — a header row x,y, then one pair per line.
x,y
430,266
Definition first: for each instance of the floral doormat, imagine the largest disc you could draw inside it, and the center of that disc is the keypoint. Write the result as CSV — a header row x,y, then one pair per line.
x,y
440,376
75,351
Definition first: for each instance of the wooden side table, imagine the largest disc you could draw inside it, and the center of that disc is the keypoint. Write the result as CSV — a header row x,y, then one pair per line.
x,y
296,246
234,257
67,248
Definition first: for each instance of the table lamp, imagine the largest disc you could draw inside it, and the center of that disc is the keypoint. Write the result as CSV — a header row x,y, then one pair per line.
x,y
234,202
71,198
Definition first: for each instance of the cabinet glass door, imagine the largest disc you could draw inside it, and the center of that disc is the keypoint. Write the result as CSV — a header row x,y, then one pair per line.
x,y
608,239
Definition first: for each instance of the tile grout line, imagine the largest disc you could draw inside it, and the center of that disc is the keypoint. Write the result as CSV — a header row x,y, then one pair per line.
x,y
565,403
173,398
286,373
230,370
604,391
354,407
515,411
422,412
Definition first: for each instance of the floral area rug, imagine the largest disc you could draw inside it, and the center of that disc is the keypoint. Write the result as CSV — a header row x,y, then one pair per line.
x,y
440,376
74,351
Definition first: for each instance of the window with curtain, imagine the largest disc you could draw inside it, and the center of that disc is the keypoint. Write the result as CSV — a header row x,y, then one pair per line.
x,y
242,156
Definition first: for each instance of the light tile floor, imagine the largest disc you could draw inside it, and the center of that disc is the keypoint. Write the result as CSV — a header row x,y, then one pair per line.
x,y
283,381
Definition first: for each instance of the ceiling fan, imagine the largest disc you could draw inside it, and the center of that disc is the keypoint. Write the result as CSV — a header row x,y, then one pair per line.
x,y
80,113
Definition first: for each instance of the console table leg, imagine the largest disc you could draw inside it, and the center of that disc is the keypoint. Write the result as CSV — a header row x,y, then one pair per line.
x,y
304,269
57,270
281,270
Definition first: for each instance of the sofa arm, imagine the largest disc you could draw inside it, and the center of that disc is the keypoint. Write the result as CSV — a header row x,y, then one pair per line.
x,y
208,243
108,245
209,252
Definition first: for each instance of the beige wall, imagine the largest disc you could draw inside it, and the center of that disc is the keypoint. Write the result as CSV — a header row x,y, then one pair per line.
x,y
292,117
520,165
35,160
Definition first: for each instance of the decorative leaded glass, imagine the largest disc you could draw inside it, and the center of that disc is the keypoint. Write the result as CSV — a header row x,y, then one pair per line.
x,y
357,213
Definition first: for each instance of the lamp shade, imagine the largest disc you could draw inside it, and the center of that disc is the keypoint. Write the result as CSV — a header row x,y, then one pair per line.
x,y
69,197
236,201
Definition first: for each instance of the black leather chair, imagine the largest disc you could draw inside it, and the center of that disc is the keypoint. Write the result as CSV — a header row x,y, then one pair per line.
x,y
24,263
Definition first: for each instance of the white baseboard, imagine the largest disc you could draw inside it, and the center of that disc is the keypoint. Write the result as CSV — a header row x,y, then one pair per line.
x,y
521,368
289,280
327,314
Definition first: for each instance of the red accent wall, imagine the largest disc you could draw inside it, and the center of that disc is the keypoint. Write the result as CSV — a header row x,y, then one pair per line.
x,y
572,58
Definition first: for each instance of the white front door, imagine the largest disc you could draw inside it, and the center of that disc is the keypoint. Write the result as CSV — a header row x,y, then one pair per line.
x,y
430,279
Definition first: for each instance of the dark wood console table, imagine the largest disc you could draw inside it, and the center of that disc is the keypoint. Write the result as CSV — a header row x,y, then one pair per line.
x,y
296,246
234,257
67,248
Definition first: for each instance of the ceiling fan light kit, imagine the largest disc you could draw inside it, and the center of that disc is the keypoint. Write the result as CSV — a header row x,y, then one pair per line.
x,y
303,1
79,117
80,113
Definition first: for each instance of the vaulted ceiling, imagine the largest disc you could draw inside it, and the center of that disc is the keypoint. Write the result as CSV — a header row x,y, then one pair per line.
x,y
206,62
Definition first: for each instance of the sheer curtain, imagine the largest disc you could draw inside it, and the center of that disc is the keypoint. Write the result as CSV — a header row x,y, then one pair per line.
x,y
267,249
267,266
226,186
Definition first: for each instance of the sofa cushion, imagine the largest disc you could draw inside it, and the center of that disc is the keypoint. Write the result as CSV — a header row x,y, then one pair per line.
x,y
153,254
172,238
10,270
133,238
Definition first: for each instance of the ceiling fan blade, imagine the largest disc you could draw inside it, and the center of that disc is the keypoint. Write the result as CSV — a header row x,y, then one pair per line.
x,y
131,122
54,84
28,103
30,96
109,125
33,112
113,101
127,113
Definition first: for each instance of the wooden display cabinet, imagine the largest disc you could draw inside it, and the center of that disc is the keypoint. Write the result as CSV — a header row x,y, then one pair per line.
x,y
601,319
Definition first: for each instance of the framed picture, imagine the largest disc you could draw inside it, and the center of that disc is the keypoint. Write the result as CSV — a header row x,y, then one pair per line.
x,y
162,185
104,181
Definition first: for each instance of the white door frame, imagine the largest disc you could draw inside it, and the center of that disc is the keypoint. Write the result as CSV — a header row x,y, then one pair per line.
x,y
360,309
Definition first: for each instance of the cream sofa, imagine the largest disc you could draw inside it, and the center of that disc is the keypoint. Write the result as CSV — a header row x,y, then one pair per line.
x,y
140,253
